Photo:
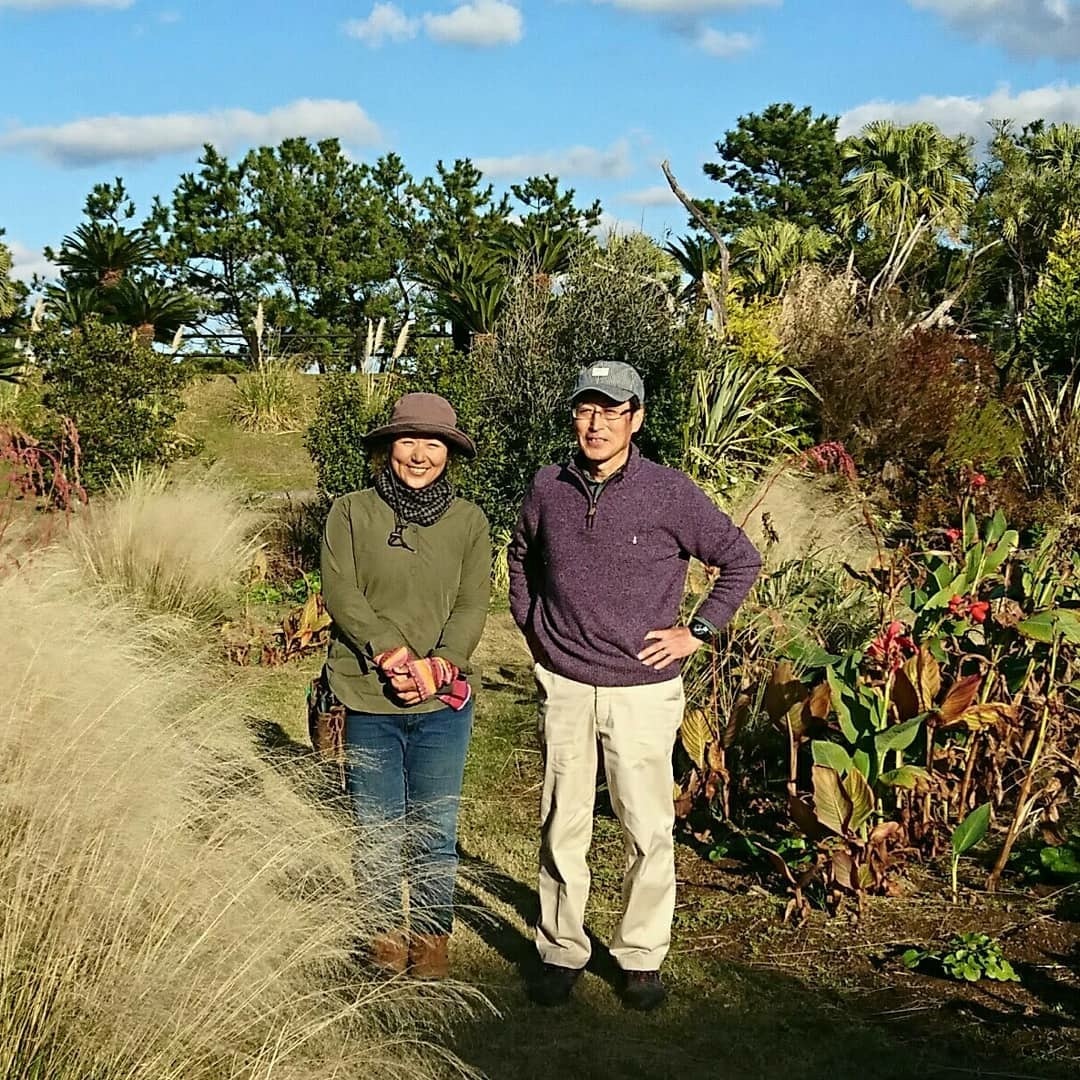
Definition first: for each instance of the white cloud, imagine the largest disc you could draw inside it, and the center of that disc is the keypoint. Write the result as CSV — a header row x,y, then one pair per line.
x,y
482,23
718,43
1024,27
132,138
687,7
387,22
612,163
26,263
970,115
48,5
479,23
609,225
659,195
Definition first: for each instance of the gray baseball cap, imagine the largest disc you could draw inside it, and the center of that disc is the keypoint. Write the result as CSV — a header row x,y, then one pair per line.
x,y
613,379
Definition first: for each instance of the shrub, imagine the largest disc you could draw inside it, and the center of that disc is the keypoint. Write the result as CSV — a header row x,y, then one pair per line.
x,y
616,304
899,400
511,392
122,394
746,405
174,904
1050,333
178,547
348,406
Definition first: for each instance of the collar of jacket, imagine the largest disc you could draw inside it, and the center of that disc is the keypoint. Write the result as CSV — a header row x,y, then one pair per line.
x,y
628,469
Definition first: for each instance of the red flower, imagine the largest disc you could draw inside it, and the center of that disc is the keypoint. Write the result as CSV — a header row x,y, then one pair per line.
x,y
977,480
978,610
892,646
957,606
828,456
953,535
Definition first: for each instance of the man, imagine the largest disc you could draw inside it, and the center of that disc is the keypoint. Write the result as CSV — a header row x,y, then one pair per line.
x,y
598,568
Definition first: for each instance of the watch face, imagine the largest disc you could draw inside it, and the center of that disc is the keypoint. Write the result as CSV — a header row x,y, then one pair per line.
x,y
700,631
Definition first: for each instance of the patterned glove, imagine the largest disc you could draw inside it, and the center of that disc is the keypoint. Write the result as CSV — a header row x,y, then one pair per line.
x,y
429,675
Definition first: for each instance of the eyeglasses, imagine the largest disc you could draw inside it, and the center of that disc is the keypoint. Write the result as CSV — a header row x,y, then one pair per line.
x,y
587,412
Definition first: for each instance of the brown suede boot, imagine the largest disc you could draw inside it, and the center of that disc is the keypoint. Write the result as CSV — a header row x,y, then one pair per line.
x,y
390,952
429,957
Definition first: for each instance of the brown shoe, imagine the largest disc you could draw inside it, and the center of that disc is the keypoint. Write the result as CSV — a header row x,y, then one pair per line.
x,y
429,957
390,952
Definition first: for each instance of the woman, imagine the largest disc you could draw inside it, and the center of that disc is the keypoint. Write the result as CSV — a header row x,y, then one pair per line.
x,y
406,572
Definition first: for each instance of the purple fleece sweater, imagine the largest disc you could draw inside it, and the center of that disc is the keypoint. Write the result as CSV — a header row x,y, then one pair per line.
x,y
585,592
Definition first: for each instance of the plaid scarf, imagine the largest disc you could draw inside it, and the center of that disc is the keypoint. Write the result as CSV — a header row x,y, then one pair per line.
x,y
420,506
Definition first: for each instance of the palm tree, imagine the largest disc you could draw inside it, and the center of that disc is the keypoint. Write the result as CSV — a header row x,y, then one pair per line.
x,y
766,255
545,251
908,182
469,287
696,256
102,255
72,305
155,311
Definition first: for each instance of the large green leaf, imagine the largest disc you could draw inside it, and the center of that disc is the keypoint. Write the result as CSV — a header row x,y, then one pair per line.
x,y
829,753
904,777
1004,548
1046,625
995,527
843,713
971,830
832,804
862,799
971,529
808,654
865,764
899,736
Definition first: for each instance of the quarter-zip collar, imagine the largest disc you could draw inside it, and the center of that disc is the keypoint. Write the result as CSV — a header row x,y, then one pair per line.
x,y
593,489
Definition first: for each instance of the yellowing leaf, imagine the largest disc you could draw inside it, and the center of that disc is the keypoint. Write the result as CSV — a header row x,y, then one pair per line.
x,y
783,692
695,735
832,805
980,717
861,797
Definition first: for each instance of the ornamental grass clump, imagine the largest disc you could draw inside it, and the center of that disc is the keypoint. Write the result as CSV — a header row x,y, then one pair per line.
x,y
178,547
173,903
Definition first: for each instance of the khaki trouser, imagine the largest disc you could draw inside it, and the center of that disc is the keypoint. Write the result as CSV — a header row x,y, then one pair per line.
x,y
636,726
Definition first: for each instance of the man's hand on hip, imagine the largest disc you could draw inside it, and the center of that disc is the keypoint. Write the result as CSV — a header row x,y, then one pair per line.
x,y
667,646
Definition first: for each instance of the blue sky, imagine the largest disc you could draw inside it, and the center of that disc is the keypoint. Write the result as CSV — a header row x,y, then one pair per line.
x,y
596,91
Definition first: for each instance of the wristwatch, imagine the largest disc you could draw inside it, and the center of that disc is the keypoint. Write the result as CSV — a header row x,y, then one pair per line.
x,y
702,630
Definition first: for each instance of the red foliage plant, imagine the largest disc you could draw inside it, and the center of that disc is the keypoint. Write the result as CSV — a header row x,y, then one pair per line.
x,y
48,474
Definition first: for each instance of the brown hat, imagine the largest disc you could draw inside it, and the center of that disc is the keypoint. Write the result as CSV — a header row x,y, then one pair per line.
x,y
424,414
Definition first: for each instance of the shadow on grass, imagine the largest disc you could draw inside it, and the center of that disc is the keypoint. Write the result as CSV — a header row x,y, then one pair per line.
x,y
728,1020
515,947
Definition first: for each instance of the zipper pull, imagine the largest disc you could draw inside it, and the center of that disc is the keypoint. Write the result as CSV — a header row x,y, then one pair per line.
x,y
590,516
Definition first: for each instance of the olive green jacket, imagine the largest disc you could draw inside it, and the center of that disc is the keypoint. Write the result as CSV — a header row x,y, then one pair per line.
x,y
433,599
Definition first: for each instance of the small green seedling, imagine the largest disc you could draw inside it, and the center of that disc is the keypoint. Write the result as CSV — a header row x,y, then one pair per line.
x,y
965,836
969,958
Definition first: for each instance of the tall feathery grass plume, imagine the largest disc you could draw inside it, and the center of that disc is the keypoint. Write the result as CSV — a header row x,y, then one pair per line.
x,y
173,904
166,545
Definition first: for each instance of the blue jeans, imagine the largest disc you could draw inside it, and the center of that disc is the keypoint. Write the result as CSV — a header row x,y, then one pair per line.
x,y
404,773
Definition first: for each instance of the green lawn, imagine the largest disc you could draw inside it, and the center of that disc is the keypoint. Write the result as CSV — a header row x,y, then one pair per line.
x,y
256,461
750,997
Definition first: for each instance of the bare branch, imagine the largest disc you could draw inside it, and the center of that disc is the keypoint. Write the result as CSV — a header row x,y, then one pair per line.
x,y
717,303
